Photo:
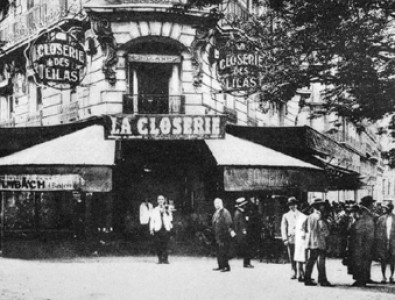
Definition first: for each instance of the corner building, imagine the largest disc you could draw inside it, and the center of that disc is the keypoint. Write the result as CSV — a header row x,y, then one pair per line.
x,y
149,117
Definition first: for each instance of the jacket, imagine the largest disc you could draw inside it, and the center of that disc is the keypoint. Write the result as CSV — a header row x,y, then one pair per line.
x,y
240,225
222,225
316,230
383,246
288,224
145,212
156,219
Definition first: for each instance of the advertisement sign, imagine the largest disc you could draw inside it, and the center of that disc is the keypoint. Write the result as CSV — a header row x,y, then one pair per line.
x,y
239,69
58,60
32,182
167,127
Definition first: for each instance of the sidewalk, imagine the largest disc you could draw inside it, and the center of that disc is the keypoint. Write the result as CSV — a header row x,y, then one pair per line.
x,y
186,278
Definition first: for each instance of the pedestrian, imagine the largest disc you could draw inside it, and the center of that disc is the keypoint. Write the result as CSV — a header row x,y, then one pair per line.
x,y
300,246
344,220
240,222
223,232
385,241
316,230
361,243
288,225
160,226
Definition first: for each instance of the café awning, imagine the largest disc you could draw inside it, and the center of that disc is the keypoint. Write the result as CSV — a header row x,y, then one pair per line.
x,y
84,153
249,166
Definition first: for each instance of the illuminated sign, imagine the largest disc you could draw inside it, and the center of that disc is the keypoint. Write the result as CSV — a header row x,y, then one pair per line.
x,y
167,127
58,60
240,70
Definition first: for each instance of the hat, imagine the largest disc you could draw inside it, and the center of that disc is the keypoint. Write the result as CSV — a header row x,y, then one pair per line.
x,y
292,201
241,201
366,201
388,206
317,202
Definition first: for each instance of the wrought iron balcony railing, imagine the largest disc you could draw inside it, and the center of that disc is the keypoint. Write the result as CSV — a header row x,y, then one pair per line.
x,y
153,104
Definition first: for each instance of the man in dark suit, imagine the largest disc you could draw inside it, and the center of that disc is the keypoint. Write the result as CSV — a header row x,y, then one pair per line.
x,y
222,227
240,221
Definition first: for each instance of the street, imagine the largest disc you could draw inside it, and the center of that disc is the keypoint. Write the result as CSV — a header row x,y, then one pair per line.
x,y
185,278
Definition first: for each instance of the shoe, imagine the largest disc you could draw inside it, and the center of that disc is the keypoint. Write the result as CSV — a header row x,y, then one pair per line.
x,y
326,283
293,277
384,280
249,266
225,270
358,283
166,262
301,279
371,281
159,262
217,269
309,283
392,280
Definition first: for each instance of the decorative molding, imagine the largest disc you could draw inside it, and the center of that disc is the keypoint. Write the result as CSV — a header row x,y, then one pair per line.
x,y
102,28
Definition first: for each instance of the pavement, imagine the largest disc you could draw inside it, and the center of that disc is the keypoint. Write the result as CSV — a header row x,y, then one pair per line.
x,y
186,278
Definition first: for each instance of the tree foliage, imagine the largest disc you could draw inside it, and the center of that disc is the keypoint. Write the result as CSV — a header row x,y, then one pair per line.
x,y
347,45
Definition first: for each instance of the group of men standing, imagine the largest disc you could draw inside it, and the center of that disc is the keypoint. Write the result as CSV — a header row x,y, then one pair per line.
x,y
241,230
363,237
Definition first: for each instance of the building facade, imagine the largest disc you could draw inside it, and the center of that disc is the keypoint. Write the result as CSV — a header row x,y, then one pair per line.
x,y
147,74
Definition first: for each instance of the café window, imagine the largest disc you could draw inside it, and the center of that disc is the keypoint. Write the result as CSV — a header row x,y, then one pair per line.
x,y
154,79
38,210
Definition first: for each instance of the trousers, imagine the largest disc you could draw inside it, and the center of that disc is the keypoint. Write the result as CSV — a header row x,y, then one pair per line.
x,y
316,255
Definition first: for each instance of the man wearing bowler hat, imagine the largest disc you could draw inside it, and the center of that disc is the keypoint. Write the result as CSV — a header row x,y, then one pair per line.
x,y
240,224
316,230
288,225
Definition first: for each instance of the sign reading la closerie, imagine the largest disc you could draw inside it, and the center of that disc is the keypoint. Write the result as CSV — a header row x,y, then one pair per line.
x,y
167,127
58,60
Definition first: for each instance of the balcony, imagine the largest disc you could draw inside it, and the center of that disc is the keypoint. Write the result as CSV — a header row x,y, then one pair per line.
x,y
40,16
153,104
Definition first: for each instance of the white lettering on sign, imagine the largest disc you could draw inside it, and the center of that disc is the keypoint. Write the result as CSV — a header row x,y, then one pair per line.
x,y
32,182
167,127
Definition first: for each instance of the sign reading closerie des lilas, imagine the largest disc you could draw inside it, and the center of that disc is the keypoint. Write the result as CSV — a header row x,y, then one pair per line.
x,y
58,60
239,69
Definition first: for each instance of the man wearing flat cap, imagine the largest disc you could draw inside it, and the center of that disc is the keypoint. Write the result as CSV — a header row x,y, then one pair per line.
x,y
362,242
316,230
240,224
288,225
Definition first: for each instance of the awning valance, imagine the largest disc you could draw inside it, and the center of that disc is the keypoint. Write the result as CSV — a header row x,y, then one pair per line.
x,y
251,167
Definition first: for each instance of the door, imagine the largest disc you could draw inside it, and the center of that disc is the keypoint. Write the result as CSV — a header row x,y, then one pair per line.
x,y
153,88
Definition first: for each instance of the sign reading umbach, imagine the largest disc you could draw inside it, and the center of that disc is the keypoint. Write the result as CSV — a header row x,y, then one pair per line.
x,y
33,182
239,69
58,60
166,127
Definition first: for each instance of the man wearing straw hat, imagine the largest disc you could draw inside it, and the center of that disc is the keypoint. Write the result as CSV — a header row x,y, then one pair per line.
x,y
240,222
288,225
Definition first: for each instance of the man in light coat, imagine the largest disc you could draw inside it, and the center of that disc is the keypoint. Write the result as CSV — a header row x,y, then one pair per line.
x,y
385,241
160,227
316,230
288,225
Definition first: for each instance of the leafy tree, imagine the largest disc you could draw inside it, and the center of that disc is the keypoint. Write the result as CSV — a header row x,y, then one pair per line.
x,y
347,45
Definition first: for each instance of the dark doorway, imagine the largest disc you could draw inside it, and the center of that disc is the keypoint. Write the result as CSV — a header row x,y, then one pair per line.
x,y
153,87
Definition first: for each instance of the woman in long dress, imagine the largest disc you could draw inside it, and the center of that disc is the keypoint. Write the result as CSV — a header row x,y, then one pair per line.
x,y
300,246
